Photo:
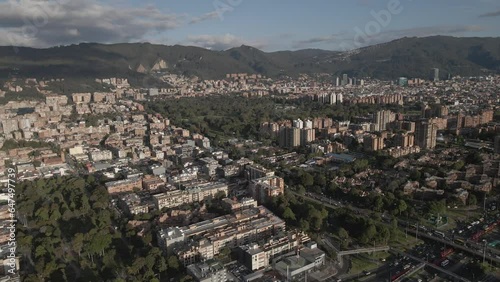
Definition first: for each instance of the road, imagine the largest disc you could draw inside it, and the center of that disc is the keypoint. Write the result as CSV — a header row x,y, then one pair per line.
x,y
336,204
448,273
456,246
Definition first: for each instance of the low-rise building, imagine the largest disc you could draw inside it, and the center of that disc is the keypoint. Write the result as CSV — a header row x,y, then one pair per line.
x,y
192,193
172,199
126,185
152,183
306,261
209,271
101,155
132,204
259,256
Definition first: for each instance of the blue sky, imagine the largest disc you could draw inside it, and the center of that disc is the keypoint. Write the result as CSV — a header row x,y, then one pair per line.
x,y
220,24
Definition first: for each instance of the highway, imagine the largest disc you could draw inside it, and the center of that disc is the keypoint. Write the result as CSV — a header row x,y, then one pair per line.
x,y
456,246
450,274
336,204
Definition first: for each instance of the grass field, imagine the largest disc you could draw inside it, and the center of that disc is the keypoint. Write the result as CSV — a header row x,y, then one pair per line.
x,y
359,265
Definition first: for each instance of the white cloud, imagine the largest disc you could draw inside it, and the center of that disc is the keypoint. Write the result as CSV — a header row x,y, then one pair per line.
x,y
207,16
221,42
57,22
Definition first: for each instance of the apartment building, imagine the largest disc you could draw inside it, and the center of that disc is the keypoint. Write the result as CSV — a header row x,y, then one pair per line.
x,y
132,204
373,142
209,271
126,185
263,189
258,256
192,193
172,199
204,240
254,171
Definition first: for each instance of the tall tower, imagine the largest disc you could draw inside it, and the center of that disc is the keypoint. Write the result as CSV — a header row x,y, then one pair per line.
x,y
345,79
382,118
425,134
435,74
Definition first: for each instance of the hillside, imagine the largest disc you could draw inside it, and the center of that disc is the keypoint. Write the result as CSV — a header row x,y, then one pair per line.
x,y
412,57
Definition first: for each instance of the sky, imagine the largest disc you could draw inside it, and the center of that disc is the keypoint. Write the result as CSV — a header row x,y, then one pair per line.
x,y
269,25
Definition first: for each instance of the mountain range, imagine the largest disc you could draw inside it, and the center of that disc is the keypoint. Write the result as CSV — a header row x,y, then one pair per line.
x,y
410,57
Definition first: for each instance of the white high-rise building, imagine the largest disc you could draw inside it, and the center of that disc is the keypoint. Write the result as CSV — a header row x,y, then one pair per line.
x,y
333,99
340,98
308,124
298,123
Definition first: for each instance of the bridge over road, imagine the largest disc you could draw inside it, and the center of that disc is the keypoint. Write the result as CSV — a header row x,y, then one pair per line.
x,y
360,251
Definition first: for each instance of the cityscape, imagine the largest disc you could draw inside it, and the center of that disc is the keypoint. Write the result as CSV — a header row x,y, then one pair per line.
x,y
210,160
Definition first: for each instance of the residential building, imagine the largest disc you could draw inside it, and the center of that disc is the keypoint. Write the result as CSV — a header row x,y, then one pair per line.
x,y
382,118
203,240
208,271
425,134
126,185
101,155
255,171
172,199
132,204
263,189
404,140
289,137
373,142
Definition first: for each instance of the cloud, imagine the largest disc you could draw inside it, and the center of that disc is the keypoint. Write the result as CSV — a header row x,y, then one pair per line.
x,y
491,14
220,42
204,17
433,30
315,40
350,40
47,23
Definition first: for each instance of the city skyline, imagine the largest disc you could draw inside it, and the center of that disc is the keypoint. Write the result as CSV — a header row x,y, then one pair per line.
x,y
222,24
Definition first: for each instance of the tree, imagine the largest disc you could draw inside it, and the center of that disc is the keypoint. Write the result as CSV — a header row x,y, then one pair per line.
x,y
474,158
301,190
383,234
173,263
415,175
320,180
459,165
333,188
472,200
317,223
436,207
304,225
394,224
402,206
378,204
225,252
307,179
343,234
288,214
368,234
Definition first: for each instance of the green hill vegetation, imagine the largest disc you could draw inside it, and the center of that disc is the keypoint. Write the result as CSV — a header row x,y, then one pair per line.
x,y
412,57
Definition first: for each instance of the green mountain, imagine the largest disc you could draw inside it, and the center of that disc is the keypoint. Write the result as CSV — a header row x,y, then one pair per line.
x,y
412,57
